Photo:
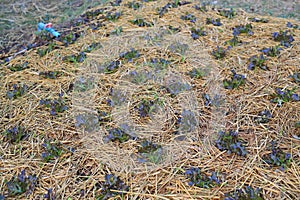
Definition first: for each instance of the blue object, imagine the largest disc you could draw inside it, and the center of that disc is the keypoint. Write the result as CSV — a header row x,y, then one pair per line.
x,y
48,28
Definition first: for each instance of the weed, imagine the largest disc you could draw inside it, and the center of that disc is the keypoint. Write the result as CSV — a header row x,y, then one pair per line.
x,y
245,193
87,120
51,74
197,73
117,97
215,101
43,52
263,117
235,81
187,122
196,33
145,107
202,8
21,184
56,105
117,134
18,67
255,61
176,87
219,53
134,5
189,17
295,77
216,22
113,17
53,151
111,182
117,31
18,91
227,13
272,51
84,84
242,29
15,134
283,37
109,68
130,55
230,142
149,152
277,157
69,38
49,195
201,180
284,95
75,58
141,22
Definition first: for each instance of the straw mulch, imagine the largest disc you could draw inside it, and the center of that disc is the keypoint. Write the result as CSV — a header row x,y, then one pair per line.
x,y
77,174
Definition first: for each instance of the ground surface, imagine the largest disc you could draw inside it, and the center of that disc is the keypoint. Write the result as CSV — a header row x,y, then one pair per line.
x,y
19,18
134,101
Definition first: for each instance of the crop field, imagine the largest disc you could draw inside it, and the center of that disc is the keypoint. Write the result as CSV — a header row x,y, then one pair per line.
x,y
150,100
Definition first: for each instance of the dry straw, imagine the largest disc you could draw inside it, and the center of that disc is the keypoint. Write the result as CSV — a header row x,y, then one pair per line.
x,y
75,175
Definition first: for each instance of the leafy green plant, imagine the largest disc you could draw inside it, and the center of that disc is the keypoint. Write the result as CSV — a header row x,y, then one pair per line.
x,y
263,117
255,61
51,74
117,97
18,91
242,29
187,121
15,134
110,67
49,195
149,152
176,87
189,17
272,51
236,81
228,13
245,193
277,157
200,179
18,67
230,142
233,42
130,55
117,134
296,77
21,184
197,73
69,38
56,105
283,37
284,95
141,22
215,22
134,5
92,47
219,53
117,31
53,151
75,58
83,84
113,17
111,182
216,100
196,33
44,51
202,7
